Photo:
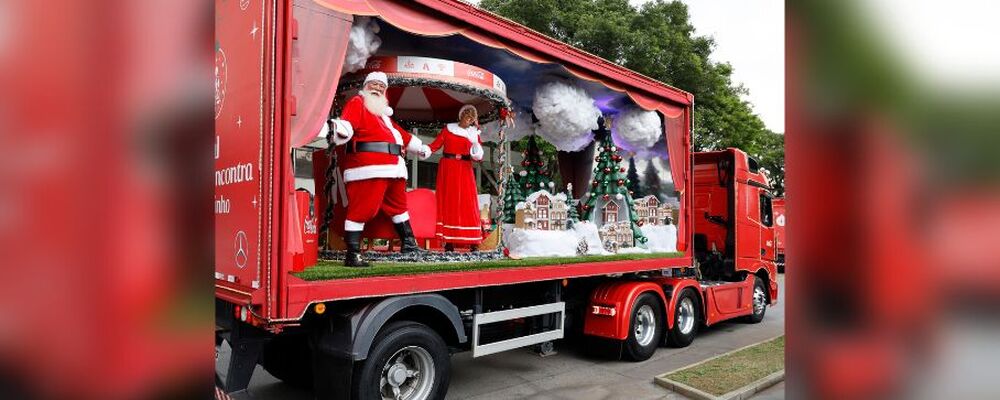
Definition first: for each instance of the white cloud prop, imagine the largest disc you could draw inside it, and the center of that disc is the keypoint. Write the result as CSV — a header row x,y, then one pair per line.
x,y
364,42
566,116
522,128
637,129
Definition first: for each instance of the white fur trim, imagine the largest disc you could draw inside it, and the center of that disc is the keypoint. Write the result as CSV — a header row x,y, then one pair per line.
x,y
353,226
470,133
477,151
343,131
377,76
416,145
395,134
398,170
425,152
405,216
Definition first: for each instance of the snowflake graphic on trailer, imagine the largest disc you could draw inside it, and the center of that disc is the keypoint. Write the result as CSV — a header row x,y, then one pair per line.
x,y
220,79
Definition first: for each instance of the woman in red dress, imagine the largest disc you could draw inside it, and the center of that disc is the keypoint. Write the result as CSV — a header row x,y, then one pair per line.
x,y
458,219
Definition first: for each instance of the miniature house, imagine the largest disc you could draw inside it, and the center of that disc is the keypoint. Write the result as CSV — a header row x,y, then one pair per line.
x,y
609,211
543,211
651,212
616,235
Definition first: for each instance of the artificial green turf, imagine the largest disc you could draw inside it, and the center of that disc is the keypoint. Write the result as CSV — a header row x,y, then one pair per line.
x,y
733,371
325,270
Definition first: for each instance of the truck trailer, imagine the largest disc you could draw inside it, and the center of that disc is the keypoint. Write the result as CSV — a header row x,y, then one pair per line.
x,y
391,335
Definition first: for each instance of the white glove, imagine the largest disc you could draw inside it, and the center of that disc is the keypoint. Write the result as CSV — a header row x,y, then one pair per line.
x,y
476,152
425,152
342,130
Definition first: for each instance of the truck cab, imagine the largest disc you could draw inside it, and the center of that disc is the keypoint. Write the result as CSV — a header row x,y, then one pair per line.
x,y
733,218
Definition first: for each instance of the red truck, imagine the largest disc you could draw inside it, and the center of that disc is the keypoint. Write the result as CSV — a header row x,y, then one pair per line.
x,y
778,206
391,336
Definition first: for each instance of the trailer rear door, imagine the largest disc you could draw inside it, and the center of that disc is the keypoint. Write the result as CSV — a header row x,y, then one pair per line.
x,y
244,148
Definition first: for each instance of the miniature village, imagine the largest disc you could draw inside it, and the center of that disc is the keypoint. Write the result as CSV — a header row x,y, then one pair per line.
x,y
607,219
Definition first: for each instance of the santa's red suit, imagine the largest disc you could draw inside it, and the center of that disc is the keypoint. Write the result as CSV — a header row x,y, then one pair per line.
x,y
458,219
372,163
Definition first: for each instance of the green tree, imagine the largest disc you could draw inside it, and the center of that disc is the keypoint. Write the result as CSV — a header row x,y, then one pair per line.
x,y
572,215
534,176
511,196
658,40
651,181
609,181
633,179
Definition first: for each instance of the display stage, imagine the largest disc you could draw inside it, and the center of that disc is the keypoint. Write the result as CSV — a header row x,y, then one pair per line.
x,y
332,269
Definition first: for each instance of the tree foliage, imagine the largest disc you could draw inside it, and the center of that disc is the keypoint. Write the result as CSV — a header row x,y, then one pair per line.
x,y
658,40
633,179
651,182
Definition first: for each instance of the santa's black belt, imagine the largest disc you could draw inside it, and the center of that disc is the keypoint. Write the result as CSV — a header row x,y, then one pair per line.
x,y
375,147
458,156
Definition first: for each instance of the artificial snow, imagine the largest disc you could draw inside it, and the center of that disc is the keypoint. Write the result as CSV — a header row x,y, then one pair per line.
x,y
566,116
637,129
538,243
364,42
555,197
660,238
554,243
586,230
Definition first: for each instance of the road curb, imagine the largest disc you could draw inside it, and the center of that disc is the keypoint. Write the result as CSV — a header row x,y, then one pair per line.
x,y
742,393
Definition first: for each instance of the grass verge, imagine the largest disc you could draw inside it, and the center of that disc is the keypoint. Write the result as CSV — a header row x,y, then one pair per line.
x,y
325,270
736,370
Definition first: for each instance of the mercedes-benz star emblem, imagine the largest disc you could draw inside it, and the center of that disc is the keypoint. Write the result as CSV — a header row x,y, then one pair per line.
x,y
241,246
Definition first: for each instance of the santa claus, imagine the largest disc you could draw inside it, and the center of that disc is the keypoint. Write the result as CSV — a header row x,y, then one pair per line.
x,y
373,168
457,197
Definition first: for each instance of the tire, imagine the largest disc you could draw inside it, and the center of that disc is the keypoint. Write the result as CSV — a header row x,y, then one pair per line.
x,y
645,328
759,302
399,350
687,318
287,358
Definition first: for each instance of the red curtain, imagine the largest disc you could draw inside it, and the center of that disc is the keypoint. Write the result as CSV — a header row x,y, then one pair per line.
x,y
317,58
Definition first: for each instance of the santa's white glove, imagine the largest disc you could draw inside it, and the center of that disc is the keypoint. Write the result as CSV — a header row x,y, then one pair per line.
x,y
476,152
342,130
425,152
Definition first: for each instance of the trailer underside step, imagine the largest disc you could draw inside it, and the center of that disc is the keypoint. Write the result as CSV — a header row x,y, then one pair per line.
x,y
548,320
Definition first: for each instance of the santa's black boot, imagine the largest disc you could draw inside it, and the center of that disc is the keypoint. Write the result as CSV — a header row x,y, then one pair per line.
x,y
408,242
353,257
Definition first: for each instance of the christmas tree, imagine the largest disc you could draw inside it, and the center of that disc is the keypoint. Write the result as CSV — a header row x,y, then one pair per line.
x,y
534,177
572,215
609,181
633,179
512,195
652,181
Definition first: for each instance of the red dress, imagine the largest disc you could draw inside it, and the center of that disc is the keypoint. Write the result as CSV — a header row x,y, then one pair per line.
x,y
457,195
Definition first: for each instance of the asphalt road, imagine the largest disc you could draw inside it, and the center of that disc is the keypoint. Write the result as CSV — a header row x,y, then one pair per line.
x,y
572,374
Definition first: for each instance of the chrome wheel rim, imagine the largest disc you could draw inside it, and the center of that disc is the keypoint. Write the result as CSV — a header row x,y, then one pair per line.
x,y
645,325
407,375
685,315
759,300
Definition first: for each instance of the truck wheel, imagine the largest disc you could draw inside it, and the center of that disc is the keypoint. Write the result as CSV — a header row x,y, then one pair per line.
x,y
759,301
287,358
646,328
686,317
408,361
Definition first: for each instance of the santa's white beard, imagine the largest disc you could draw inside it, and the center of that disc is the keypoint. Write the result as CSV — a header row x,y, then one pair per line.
x,y
376,103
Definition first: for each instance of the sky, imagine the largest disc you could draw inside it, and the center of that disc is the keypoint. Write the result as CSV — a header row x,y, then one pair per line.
x,y
750,35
